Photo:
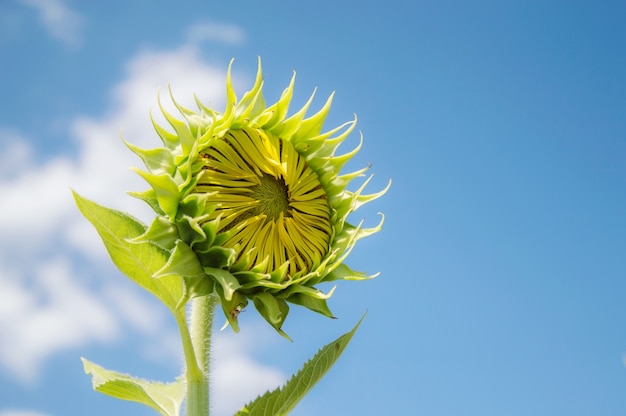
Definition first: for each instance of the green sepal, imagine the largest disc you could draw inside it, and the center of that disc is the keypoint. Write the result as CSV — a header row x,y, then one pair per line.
x,y
197,205
199,286
158,160
278,275
170,140
341,271
346,240
244,277
360,199
195,122
344,272
252,102
164,398
262,119
223,237
319,145
149,197
182,262
343,203
218,257
339,160
185,137
263,283
311,298
243,262
273,309
260,266
161,233
190,230
188,177
284,399
138,261
210,231
329,149
279,109
293,123
312,126
314,304
193,211
227,284
165,189
233,307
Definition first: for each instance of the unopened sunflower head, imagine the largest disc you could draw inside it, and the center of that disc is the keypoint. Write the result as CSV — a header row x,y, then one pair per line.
x,y
251,204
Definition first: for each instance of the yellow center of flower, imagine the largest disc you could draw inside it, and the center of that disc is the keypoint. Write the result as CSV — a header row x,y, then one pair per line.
x,y
268,198
273,197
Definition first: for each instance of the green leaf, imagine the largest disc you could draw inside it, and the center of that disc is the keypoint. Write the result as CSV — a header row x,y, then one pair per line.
x,y
138,261
164,398
281,401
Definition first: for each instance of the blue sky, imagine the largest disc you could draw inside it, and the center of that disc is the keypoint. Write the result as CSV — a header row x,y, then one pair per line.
x,y
503,256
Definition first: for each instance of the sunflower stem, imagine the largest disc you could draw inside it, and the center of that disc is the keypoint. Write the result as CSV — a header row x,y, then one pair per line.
x,y
197,377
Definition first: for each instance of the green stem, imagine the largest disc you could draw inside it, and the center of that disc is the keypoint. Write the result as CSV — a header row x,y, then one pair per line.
x,y
197,374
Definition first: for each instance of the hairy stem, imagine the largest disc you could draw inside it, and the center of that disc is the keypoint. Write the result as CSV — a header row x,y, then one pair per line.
x,y
201,320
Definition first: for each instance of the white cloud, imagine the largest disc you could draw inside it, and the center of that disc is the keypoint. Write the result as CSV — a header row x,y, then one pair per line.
x,y
47,305
59,20
220,32
237,378
47,312
140,313
23,217
16,153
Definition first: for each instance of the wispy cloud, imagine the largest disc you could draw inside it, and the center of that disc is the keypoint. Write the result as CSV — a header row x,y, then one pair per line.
x,y
59,20
215,32
238,379
46,312
49,302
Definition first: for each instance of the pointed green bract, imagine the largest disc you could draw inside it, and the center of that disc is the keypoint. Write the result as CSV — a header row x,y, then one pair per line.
x,y
281,401
165,398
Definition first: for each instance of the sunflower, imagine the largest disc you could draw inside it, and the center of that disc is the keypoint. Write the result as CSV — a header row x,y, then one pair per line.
x,y
251,205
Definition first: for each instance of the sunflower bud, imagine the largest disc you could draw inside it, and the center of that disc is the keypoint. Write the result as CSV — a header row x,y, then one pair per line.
x,y
251,204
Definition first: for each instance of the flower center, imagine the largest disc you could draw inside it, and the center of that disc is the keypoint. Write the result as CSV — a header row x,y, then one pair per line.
x,y
273,197
268,199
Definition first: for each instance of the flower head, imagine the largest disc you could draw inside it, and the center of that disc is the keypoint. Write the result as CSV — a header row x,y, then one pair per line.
x,y
251,204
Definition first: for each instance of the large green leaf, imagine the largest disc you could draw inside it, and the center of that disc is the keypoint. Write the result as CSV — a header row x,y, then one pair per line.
x,y
164,398
137,260
281,401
